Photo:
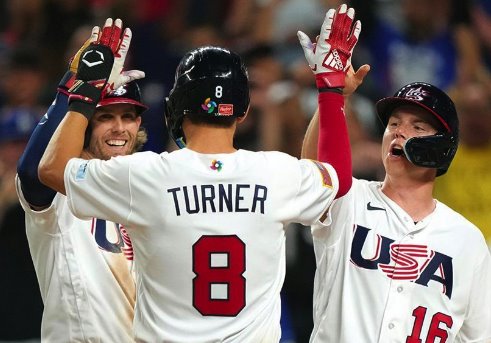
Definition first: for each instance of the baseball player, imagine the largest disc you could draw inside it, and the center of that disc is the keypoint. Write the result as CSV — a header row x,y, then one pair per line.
x,y
84,267
206,221
393,263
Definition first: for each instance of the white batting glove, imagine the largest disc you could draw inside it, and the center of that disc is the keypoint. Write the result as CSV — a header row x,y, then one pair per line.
x,y
330,57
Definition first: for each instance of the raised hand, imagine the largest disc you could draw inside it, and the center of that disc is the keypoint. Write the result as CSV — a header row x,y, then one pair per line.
x,y
99,66
111,36
330,57
69,78
94,36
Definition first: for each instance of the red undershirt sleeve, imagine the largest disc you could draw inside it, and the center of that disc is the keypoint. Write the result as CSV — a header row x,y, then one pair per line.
x,y
333,145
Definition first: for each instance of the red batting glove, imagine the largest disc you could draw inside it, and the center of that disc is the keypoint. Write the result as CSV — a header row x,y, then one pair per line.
x,y
330,57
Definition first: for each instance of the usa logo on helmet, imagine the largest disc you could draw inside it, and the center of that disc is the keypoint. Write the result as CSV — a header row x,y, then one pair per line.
x,y
120,91
416,94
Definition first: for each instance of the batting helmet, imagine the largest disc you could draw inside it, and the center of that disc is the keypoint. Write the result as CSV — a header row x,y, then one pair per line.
x,y
436,151
128,93
209,81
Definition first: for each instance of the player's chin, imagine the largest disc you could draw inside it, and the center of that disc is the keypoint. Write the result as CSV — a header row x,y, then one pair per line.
x,y
113,151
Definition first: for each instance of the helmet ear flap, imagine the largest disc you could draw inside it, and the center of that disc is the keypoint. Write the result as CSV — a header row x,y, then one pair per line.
x,y
435,151
174,124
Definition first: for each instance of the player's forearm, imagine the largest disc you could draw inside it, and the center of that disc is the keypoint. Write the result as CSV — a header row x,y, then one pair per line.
x,y
334,145
67,142
34,191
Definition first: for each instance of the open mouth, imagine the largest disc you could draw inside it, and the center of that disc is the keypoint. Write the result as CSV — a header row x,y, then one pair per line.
x,y
397,150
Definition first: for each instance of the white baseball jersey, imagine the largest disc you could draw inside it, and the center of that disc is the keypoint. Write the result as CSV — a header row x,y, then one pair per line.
x,y
208,235
84,272
382,278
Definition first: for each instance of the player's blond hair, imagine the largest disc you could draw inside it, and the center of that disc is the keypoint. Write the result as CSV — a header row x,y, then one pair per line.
x,y
141,139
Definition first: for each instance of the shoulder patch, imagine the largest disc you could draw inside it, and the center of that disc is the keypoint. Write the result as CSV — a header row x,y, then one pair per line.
x,y
81,172
326,178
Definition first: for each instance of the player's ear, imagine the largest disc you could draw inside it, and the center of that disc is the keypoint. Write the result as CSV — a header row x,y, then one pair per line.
x,y
241,119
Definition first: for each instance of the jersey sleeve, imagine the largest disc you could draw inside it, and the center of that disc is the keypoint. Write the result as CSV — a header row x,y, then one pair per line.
x,y
100,189
40,223
317,190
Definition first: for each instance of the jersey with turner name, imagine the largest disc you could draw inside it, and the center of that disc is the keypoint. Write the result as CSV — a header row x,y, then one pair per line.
x,y
383,278
208,234
84,270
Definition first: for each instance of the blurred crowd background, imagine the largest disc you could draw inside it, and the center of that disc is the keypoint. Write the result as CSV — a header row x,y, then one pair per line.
x,y
443,42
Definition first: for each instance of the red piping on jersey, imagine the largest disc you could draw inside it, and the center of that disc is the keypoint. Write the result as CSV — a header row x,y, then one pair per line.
x,y
334,146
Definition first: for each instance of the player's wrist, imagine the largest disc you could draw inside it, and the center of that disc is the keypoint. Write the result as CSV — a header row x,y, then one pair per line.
x,y
337,90
66,82
83,98
330,80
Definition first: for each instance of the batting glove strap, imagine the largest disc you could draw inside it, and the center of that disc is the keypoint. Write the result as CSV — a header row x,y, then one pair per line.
x,y
337,90
83,98
330,80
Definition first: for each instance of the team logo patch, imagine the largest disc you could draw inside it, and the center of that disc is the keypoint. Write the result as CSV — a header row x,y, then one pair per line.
x,y
209,105
326,178
81,172
216,165
119,91
225,110
417,94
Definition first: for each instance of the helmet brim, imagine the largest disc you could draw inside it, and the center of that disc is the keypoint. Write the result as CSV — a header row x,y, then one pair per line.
x,y
113,101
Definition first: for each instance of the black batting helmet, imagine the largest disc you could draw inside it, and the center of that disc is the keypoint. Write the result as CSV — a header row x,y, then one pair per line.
x,y
128,93
436,151
209,81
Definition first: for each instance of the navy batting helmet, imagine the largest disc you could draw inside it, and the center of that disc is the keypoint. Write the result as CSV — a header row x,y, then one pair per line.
x,y
128,93
436,151
209,81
